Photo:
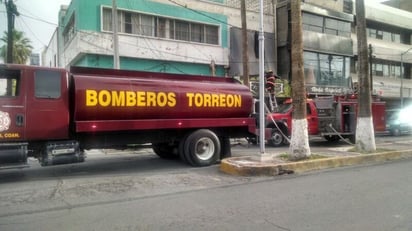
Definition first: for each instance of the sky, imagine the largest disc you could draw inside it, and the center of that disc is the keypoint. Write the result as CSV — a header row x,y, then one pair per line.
x,y
38,20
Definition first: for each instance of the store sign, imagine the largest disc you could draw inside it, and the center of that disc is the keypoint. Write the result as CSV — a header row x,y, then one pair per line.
x,y
327,90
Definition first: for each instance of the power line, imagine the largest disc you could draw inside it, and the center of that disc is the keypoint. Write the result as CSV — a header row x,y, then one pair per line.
x,y
39,19
153,50
201,13
91,33
34,35
148,43
149,47
132,44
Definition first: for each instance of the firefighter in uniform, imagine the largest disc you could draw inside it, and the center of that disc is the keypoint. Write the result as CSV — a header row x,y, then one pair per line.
x,y
271,80
270,84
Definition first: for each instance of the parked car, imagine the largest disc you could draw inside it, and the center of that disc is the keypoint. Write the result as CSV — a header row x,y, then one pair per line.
x,y
399,121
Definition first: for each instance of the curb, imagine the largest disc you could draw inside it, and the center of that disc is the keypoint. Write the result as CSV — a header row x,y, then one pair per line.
x,y
252,166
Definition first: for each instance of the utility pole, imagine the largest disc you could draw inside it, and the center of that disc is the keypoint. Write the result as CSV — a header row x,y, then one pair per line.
x,y
370,66
116,61
275,37
402,75
261,83
245,57
11,13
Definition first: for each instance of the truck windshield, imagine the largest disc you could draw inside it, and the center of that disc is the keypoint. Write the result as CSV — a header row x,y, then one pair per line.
x,y
283,108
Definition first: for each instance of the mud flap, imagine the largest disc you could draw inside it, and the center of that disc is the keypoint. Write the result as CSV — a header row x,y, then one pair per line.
x,y
226,148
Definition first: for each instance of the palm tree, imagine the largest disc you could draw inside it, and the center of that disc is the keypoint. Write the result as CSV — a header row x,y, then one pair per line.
x,y
21,47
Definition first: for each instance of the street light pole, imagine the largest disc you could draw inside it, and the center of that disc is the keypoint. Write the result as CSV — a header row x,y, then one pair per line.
x,y
261,81
402,73
116,60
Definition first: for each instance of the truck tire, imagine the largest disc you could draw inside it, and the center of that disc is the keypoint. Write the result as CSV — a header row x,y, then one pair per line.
x,y
276,139
201,148
352,139
182,149
165,150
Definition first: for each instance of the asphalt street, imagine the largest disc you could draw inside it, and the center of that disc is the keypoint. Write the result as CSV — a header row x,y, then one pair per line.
x,y
357,198
126,191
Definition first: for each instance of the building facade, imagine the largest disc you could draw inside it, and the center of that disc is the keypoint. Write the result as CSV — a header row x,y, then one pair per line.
x,y
190,37
400,4
204,37
389,37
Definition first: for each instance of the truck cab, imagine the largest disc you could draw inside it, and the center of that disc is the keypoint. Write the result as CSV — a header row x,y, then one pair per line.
x,y
284,113
331,117
281,122
34,106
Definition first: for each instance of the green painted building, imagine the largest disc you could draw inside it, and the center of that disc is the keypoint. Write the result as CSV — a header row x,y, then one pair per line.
x,y
160,36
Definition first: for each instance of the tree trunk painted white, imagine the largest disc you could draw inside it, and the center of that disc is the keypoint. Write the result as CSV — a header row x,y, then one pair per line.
x,y
299,142
365,135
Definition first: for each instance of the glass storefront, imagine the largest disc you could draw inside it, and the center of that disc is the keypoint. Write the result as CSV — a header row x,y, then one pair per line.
x,y
326,69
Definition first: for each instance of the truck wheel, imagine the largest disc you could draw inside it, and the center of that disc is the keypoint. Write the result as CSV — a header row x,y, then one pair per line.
x,y
202,148
165,150
276,139
352,139
182,149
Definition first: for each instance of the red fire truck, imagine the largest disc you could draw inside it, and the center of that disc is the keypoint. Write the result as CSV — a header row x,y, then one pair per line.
x,y
54,114
331,117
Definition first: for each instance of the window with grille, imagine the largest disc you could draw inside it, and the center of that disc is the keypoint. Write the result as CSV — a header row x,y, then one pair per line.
x,y
212,34
384,68
320,24
107,19
161,27
68,32
127,22
196,32
347,6
384,35
181,30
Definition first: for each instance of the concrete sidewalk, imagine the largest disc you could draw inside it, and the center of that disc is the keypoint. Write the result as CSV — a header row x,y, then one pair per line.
x,y
274,165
